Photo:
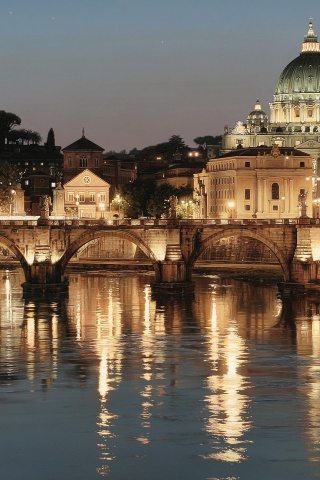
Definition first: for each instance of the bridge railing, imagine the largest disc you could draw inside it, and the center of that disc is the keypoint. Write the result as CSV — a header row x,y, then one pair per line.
x,y
127,222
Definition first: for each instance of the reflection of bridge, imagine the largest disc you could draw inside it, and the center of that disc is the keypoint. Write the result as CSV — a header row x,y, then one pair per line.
x,y
172,246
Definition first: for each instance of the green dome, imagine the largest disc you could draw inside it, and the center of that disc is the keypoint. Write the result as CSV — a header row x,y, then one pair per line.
x,y
302,75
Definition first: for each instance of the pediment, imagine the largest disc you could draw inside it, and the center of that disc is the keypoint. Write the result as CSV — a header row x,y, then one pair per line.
x,y
310,143
86,179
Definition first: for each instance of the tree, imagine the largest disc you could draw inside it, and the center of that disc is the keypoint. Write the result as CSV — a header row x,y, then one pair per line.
x,y
9,178
7,122
206,140
143,198
158,202
164,150
51,143
23,136
35,137
136,195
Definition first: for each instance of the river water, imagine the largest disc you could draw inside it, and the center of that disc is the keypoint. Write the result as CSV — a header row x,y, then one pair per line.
x,y
113,383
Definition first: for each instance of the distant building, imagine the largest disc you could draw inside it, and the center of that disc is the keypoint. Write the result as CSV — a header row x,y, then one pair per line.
x,y
35,186
119,171
295,111
39,166
81,155
259,182
179,175
87,196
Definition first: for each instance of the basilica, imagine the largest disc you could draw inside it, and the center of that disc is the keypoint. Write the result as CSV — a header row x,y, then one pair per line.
x,y
269,167
295,111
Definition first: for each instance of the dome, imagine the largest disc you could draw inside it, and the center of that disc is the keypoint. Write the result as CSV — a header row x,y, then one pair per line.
x,y
257,117
302,75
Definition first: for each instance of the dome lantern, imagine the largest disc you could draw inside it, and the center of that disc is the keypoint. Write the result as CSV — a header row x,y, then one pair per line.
x,y
310,43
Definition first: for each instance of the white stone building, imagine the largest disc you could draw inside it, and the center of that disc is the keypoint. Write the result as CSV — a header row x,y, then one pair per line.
x,y
256,183
87,196
295,110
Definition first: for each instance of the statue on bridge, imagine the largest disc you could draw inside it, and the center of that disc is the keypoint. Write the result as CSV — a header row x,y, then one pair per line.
x,y
45,204
302,198
173,206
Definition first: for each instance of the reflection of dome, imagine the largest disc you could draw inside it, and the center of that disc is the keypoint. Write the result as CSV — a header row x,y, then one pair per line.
x,y
257,117
302,75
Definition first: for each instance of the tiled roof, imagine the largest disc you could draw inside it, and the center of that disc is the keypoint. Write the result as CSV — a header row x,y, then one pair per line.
x,y
255,151
83,144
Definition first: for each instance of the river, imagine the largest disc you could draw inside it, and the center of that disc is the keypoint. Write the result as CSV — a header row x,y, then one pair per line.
x,y
113,383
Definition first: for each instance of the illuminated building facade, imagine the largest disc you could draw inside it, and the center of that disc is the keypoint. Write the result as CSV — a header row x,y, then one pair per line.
x,y
257,183
294,113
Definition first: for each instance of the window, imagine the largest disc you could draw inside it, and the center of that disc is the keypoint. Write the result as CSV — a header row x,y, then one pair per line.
x,y
302,164
92,197
96,162
70,197
247,193
247,164
102,197
83,162
81,197
309,113
275,207
275,191
247,207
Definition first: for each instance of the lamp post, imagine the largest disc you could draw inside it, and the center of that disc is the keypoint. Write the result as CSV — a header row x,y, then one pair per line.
x,y
316,205
231,206
102,209
77,204
184,209
12,209
118,201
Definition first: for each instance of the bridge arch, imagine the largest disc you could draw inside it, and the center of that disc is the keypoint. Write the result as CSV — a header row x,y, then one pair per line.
x,y
209,241
87,237
17,252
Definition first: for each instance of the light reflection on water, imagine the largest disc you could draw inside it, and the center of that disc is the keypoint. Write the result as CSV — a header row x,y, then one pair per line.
x,y
111,382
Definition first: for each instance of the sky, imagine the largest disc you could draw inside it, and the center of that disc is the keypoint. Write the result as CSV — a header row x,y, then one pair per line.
x,y
132,73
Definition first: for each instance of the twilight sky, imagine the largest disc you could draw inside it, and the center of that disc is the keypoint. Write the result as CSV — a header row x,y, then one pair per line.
x,y
134,72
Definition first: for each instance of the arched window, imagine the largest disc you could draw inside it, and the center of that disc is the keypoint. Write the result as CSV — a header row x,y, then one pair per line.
x,y
83,161
275,191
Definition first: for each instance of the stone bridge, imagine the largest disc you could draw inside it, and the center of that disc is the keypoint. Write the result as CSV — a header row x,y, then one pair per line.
x,y
45,247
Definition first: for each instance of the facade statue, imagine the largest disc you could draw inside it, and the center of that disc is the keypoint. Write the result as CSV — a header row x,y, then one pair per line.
x,y
302,198
45,202
173,206
239,129
275,152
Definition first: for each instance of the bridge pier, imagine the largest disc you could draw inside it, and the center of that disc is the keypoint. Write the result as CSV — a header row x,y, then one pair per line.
x,y
173,278
303,272
44,279
173,269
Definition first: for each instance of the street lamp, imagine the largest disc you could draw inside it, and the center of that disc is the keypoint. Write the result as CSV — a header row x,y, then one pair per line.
x,y
12,203
184,210
316,203
102,209
77,204
231,206
118,200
